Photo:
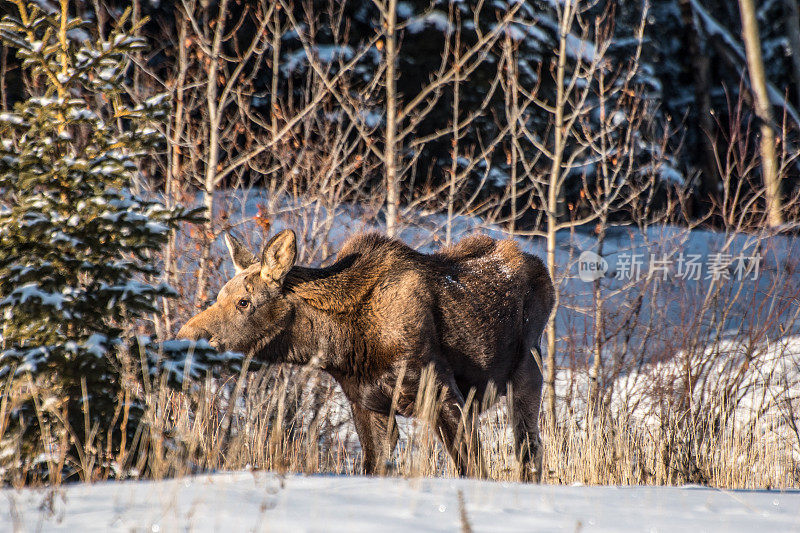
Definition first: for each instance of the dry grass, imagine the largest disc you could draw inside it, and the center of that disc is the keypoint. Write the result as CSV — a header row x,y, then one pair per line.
x,y
294,421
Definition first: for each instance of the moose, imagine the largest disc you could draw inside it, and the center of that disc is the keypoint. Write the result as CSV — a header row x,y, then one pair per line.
x,y
468,317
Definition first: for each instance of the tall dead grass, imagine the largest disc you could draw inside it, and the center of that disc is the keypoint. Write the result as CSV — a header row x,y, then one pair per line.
x,y
296,421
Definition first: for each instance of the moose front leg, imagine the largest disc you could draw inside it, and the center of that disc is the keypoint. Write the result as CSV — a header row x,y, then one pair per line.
x,y
377,440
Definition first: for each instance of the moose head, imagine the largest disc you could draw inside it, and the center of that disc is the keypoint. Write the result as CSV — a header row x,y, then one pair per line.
x,y
252,308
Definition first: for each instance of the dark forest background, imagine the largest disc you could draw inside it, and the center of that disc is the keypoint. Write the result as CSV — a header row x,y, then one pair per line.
x,y
691,76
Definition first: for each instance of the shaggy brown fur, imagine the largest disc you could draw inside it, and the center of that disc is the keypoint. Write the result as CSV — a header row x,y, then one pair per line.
x,y
474,312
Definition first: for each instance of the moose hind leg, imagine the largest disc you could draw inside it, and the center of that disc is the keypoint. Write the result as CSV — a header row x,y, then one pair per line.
x,y
377,444
526,398
459,434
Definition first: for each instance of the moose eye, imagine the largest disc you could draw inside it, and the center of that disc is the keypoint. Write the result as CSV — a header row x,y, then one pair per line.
x,y
243,303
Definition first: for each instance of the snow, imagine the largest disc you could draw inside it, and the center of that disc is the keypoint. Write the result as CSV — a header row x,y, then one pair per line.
x,y
436,19
107,74
79,35
537,34
325,54
130,289
239,501
404,10
96,345
11,118
81,114
157,227
767,390
44,101
30,291
245,501
516,33
582,49
423,230
158,99
31,359
498,176
371,119
666,173
576,47
185,360
46,6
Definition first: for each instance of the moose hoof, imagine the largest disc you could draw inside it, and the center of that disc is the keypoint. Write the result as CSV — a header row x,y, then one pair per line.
x,y
390,468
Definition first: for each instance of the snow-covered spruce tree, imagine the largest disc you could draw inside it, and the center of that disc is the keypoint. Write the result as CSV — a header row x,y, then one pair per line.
x,y
74,245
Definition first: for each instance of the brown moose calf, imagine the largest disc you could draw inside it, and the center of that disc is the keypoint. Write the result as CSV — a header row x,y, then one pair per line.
x,y
473,312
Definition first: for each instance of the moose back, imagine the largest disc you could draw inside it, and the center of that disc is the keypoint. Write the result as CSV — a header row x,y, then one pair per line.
x,y
380,315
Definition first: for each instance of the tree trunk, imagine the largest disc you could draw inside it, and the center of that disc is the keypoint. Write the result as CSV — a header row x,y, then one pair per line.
x,y
553,195
212,154
512,114
174,168
791,18
701,68
273,100
593,403
451,194
758,80
550,380
390,148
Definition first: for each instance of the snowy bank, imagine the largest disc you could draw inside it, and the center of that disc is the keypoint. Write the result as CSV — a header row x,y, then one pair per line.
x,y
267,502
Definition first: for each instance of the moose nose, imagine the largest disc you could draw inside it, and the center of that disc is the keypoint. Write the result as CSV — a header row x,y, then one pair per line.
x,y
192,333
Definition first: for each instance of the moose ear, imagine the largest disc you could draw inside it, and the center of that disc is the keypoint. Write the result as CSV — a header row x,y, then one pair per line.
x,y
241,256
278,257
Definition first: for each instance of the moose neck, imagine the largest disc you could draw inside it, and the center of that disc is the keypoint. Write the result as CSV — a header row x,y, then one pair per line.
x,y
316,337
339,288
326,301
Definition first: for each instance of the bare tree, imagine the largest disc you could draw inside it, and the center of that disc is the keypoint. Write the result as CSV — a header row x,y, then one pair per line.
x,y
388,10
572,89
219,94
512,117
403,117
758,78
585,86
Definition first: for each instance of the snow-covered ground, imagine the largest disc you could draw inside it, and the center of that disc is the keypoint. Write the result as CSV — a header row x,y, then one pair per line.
x,y
255,501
